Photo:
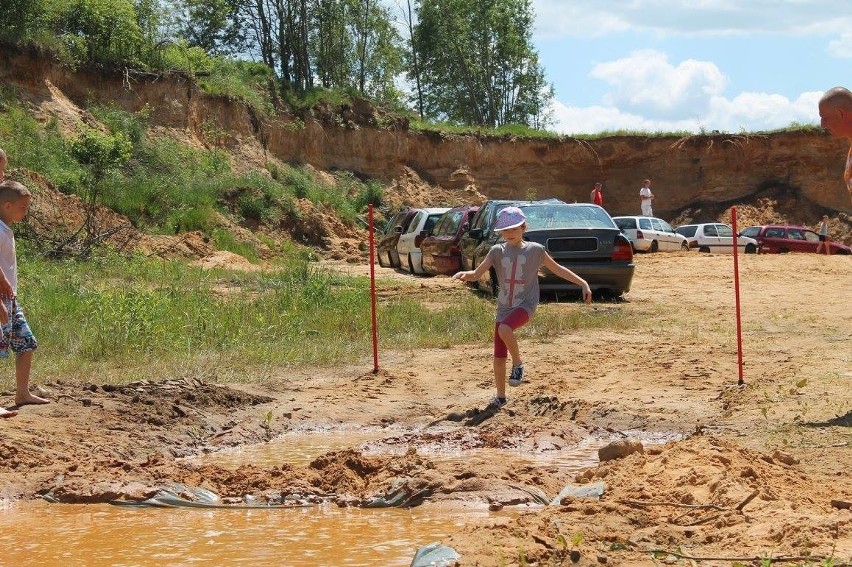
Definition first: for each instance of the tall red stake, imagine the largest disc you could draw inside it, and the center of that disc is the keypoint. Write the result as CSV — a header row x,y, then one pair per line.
x,y
737,294
373,291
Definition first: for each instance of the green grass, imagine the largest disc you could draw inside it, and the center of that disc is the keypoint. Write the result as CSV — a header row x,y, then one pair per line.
x,y
117,319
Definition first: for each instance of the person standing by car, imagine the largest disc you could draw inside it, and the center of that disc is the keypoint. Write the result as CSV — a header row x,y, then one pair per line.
x,y
835,113
645,198
823,236
596,195
517,263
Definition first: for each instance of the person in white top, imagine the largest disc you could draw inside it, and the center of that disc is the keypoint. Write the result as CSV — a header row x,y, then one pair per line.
x,y
16,335
823,236
646,196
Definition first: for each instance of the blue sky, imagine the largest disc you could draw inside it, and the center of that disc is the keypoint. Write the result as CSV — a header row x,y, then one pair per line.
x,y
691,65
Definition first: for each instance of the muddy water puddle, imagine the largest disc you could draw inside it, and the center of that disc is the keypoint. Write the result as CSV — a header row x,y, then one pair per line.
x,y
57,534
100,534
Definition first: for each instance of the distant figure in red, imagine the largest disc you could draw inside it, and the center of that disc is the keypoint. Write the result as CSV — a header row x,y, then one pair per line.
x,y
597,196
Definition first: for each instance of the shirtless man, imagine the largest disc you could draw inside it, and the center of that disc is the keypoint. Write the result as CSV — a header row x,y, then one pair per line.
x,y
835,113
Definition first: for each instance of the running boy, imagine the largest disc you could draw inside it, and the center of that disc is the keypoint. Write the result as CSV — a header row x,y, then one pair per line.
x,y
15,202
516,261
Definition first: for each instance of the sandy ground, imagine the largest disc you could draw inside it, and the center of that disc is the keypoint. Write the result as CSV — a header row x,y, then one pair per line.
x,y
755,471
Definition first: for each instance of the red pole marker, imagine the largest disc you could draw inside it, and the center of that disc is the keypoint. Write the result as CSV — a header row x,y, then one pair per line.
x,y
737,294
373,291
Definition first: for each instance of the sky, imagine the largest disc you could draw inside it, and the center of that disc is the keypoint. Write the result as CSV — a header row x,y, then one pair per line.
x,y
691,65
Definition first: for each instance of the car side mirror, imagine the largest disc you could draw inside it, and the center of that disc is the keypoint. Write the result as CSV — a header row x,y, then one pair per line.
x,y
475,233
397,229
465,227
425,233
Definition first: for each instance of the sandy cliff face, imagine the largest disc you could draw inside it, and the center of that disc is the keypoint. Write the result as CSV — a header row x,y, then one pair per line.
x,y
700,173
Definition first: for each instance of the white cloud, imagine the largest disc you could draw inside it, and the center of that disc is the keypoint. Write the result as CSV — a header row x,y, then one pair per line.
x,y
647,83
746,111
585,18
841,47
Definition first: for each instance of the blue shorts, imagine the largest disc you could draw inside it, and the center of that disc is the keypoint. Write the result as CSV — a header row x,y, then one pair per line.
x,y
16,333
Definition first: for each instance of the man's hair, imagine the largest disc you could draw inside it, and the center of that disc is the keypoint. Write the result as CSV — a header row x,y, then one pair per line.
x,y
11,191
837,97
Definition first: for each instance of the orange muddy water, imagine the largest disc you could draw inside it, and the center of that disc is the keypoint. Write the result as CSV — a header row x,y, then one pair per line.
x,y
101,534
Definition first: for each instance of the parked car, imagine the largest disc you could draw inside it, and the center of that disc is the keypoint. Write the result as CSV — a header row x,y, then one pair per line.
x,y
440,250
386,247
580,236
650,234
715,237
408,247
775,239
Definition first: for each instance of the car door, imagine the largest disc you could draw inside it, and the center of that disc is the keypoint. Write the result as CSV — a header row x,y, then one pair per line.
x,y
673,240
430,245
796,240
709,240
725,235
664,238
406,240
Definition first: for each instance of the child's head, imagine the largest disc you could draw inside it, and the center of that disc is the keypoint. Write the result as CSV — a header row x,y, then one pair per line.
x,y
3,162
510,218
15,201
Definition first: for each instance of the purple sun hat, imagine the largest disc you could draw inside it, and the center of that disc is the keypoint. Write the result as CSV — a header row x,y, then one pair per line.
x,y
510,217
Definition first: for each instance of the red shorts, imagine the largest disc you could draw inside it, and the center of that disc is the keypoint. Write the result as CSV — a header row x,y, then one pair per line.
x,y
516,319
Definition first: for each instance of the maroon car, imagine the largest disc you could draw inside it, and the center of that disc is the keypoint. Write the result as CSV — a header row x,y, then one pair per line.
x,y
441,254
388,239
779,239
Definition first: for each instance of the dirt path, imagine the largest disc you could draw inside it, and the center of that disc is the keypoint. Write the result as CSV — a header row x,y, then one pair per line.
x,y
777,448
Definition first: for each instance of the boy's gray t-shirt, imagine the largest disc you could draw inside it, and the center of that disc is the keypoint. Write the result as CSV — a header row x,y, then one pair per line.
x,y
517,275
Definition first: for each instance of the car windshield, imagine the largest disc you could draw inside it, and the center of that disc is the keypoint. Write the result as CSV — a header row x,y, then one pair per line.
x,y
556,216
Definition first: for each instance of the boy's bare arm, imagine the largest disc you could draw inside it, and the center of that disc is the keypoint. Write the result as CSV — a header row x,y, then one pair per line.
x,y
568,275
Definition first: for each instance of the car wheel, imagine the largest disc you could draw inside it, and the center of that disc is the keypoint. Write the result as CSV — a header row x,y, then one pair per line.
x,y
751,249
654,246
782,250
684,246
410,265
704,249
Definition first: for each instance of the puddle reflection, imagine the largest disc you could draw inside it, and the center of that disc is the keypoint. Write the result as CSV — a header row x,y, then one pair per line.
x,y
59,534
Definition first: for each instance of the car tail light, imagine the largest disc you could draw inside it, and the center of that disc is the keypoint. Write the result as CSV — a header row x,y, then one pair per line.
x,y
693,244
622,251
639,235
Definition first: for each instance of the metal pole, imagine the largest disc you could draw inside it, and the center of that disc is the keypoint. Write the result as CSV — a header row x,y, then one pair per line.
x,y
737,294
373,291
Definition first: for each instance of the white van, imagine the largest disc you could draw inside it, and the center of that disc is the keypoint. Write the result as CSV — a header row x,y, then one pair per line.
x,y
650,234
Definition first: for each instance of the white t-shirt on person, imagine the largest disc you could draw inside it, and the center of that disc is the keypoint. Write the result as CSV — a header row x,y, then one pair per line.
x,y
8,259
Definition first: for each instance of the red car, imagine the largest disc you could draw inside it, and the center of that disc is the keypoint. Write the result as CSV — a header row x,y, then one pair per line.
x,y
441,253
778,239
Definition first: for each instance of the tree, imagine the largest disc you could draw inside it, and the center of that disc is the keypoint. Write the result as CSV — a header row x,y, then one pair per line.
x,y
477,64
